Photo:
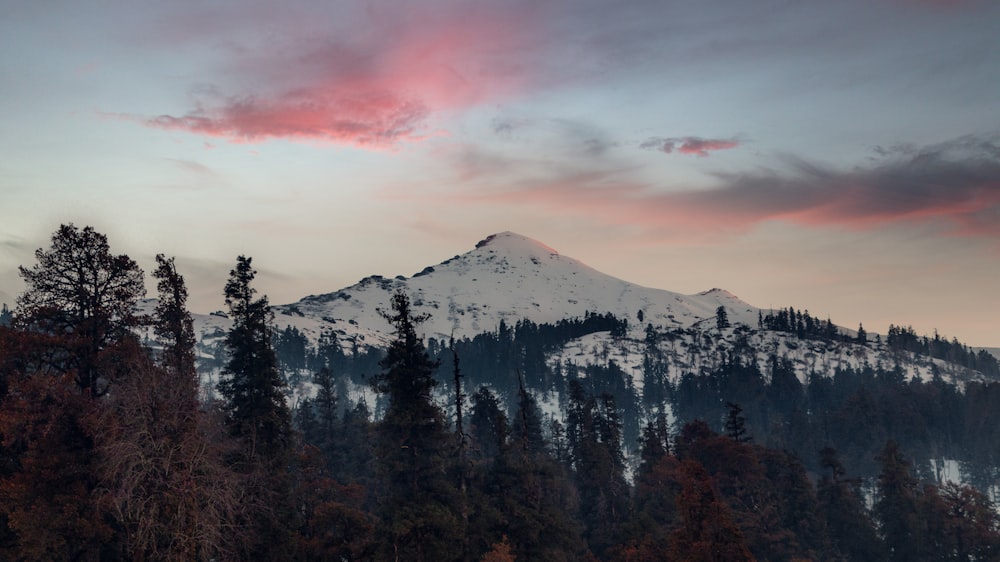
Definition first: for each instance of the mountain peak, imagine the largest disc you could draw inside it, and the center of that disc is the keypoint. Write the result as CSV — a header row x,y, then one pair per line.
x,y
514,241
508,277
717,292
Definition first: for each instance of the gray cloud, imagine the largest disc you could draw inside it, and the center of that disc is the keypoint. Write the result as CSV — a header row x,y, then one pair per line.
x,y
696,146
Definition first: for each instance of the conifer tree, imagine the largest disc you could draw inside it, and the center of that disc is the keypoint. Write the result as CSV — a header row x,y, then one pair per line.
x,y
325,404
489,424
851,529
721,318
419,510
84,294
256,411
736,424
896,505
173,325
595,445
258,416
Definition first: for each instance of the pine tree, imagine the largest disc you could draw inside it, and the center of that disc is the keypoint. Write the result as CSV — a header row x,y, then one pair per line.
x,y
736,424
489,424
84,294
174,327
721,318
257,415
896,505
595,446
256,411
419,510
851,529
325,405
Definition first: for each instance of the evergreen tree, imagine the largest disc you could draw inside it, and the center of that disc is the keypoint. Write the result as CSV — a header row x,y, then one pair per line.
x,y
531,499
256,411
174,327
83,293
489,424
419,510
304,417
645,536
736,424
257,415
172,495
325,405
655,443
842,508
355,455
721,318
595,446
528,422
896,506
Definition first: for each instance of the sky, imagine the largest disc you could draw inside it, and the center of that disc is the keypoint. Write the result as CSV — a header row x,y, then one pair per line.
x,y
841,157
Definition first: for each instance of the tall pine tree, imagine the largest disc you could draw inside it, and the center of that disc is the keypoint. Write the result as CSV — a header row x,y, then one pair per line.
x,y
420,518
258,417
256,411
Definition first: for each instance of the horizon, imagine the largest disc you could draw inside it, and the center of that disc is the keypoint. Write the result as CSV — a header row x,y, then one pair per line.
x,y
265,278
837,158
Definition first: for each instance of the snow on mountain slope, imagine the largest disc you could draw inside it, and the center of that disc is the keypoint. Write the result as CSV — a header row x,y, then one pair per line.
x,y
506,277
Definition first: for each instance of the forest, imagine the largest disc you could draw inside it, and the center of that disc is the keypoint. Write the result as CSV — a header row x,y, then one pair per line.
x,y
109,451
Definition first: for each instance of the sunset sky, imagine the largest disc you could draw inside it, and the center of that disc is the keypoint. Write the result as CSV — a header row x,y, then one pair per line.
x,y
841,157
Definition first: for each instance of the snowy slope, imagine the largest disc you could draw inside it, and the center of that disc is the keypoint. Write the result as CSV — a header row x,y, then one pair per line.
x,y
506,277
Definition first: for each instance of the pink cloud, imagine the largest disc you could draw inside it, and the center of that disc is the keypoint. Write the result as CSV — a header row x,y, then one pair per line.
x,y
374,85
375,119
695,146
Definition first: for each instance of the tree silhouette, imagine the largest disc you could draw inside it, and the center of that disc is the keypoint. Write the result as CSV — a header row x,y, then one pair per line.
x,y
83,293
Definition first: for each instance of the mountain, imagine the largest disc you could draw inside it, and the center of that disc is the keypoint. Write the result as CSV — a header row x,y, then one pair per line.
x,y
651,351
506,277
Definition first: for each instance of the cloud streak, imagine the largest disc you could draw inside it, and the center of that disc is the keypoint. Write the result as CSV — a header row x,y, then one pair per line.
x,y
694,146
955,184
366,119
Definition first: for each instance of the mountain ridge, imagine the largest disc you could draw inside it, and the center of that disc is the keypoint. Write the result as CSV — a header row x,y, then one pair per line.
x,y
506,277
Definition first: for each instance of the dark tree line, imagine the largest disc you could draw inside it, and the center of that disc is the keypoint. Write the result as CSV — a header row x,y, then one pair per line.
x,y
106,452
953,351
800,323
854,411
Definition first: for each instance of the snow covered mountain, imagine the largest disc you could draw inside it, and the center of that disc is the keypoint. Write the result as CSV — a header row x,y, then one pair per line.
x,y
506,277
